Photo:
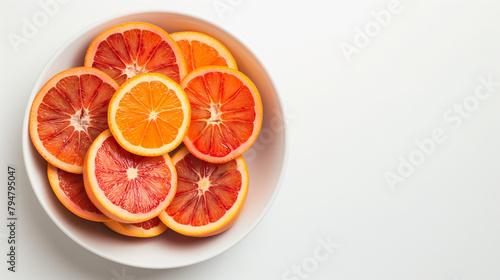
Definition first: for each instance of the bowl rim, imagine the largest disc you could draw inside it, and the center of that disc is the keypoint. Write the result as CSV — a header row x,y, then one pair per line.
x,y
26,138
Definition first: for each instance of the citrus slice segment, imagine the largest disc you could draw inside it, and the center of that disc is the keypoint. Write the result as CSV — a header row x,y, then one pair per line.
x,y
209,196
149,228
128,49
149,114
226,113
127,188
200,50
70,190
68,113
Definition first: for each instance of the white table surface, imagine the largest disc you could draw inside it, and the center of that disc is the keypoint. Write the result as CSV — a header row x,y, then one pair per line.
x,y
350,124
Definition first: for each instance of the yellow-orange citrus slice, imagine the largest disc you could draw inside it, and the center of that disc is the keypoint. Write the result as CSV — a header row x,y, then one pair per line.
x,y
68,113
209,196
128,49
69,189
149,114
226,113
149,228
200,50
127,188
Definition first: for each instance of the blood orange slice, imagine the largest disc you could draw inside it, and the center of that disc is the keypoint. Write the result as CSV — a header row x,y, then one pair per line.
x,y
68,113
226,113
129,49
149,114
200,50
127,188
69,189
149,228
209,196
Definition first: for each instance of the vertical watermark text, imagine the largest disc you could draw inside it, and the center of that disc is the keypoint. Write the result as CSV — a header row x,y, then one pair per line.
x,y
12,225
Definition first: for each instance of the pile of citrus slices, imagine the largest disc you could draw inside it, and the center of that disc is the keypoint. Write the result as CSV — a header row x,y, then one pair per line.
x,y
106,130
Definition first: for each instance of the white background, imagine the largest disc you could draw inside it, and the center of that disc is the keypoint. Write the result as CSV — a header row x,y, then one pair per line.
x,y
349,124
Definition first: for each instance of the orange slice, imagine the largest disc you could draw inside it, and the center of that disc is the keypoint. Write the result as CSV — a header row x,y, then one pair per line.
x,y
69,189
200,50
129,49
149,228
127,188
226,113
149,114
68,113
209,197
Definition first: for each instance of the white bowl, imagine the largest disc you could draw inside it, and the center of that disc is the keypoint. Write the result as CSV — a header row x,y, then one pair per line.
x,y
266,159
